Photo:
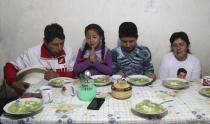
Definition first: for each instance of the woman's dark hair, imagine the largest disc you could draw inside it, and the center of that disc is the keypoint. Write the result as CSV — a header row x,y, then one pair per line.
x,y
181,35
128,29
53,31
100,32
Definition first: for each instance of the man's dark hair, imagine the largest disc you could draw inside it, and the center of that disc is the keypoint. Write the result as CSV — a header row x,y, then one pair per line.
x,y
53,31
128,29
181,35
181,70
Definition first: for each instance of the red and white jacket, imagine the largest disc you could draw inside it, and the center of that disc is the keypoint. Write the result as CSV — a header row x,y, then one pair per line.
x,y
39,56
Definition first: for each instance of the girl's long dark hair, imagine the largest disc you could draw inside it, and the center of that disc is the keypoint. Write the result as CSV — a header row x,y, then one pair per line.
x,y
100,32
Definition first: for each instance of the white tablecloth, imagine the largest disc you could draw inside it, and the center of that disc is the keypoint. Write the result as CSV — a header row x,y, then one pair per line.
x,y
188,107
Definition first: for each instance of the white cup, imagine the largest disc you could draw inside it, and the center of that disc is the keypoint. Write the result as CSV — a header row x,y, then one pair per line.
x,y
46,93
70,91
116,77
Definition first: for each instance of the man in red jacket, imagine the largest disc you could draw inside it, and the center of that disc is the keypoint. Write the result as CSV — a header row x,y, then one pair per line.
x,y
51,54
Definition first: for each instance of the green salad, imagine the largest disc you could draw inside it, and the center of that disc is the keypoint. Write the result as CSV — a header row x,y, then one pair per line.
x,y
174,83
149,107
24,107
103,79
139,80
57,81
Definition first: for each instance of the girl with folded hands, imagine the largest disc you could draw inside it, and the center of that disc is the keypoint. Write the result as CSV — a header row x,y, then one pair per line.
x,y
94,55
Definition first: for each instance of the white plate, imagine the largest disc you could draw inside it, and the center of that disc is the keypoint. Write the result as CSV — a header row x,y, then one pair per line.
x,y
185,83
148,115
65,80
102,83
31,75
139,76
203,92
6,107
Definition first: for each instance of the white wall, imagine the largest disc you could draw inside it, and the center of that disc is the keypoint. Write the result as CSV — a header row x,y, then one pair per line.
x,y
22,23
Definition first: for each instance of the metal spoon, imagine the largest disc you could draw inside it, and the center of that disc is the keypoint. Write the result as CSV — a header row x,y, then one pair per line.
x,y
87,76
72,91
87,73
166,101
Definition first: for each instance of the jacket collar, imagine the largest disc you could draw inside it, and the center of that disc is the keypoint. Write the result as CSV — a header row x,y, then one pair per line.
x,y
45,53
134,50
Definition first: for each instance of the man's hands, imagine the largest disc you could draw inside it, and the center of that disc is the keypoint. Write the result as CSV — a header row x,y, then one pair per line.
x,y
92,55
20,87
49,74
151,75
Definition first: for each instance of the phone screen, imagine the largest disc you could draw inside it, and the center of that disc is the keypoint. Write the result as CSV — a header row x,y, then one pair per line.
x,y
28,95
96,103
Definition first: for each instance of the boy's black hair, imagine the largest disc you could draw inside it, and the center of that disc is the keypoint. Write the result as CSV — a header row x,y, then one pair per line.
x,y
53,31
128,29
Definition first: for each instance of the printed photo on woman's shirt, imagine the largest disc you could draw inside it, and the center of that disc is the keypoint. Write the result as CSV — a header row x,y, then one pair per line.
x,y
181,73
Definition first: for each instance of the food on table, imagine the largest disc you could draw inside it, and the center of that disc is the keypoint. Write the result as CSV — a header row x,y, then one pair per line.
x,y
174,83
205,91
149,107
66,107
57,82
121,90
22,107
139,80
102,79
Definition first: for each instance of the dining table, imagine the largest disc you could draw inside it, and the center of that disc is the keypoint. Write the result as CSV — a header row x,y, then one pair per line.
x,y
184,106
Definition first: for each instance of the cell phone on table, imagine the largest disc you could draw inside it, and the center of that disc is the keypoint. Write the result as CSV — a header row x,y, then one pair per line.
x,y
96,103
28,95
